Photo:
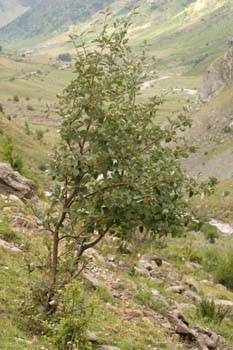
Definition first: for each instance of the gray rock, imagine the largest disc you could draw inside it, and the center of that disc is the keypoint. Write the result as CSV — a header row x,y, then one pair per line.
x,y
181,327
93,255
158,298
183,307
148,264
9,246
209,340
94,282
109,347
13,183
176,289
192,284
23,224
92,337
16,201
225,305
195,298
111,258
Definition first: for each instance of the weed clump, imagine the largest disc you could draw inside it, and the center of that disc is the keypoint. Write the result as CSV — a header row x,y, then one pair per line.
x,y
209,310
224,270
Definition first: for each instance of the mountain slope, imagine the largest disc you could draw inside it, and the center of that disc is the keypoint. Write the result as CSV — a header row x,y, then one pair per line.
x,y
181,34
9,10
45,17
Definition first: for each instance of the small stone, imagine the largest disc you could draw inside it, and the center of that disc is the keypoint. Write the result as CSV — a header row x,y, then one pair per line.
x,y
94,282
183,307
111,258
176,289
92,337
93,255
192,296
16,201
193,285
109,347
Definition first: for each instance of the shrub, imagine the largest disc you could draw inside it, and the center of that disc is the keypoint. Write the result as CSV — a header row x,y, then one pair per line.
x,y
42,167
1,108
30,108
145,297
16,98
17,163
39,135
65,57
9,155
68,328
209,310
7,233
210,232
211,259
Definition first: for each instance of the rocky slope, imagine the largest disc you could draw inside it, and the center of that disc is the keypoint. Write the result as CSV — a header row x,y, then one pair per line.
x,y
147,296
219,75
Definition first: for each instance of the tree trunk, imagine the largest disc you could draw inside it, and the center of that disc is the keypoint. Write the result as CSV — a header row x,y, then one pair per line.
x,y
54,261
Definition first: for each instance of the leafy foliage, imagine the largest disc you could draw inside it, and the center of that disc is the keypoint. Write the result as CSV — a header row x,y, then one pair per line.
x,y
8,151
114,166
68,327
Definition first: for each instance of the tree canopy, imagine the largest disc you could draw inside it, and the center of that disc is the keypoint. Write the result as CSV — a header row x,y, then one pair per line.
x,y
115,168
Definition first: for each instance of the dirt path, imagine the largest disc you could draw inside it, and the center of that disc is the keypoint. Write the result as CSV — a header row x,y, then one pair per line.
x,y
148,83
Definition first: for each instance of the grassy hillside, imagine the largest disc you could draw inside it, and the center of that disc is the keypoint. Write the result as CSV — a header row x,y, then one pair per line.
x,y
47,17
130,309
182,35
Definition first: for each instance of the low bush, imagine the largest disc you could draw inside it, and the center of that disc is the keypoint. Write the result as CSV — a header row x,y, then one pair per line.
x,y
210,232
209,310
64,319
7,233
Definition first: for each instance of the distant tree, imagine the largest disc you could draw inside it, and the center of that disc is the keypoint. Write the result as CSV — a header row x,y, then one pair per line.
x,y
0,48
65,57
39,135
115,168
16,98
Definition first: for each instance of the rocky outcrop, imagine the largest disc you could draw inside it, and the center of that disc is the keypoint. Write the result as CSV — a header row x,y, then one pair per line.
x,y
14,183
148,264
219,75
197,338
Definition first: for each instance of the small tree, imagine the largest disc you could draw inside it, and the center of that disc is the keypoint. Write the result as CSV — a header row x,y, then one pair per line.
x,y
65,57
115,169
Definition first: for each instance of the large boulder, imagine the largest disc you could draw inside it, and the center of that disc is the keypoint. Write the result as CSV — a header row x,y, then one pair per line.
x,y
11,182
